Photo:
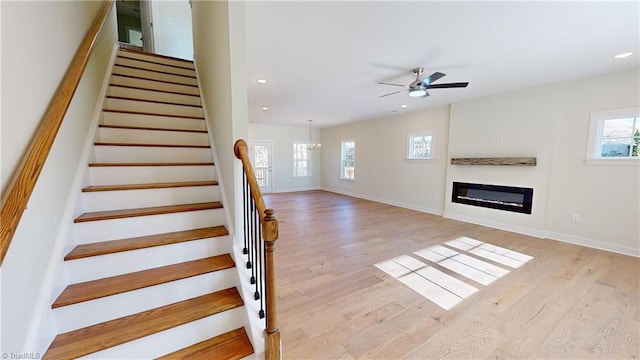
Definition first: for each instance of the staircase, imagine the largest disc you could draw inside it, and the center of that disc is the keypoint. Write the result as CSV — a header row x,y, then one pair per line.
x,y
149,268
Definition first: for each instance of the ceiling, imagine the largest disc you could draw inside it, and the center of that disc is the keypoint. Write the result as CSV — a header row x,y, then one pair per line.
x,y
323,59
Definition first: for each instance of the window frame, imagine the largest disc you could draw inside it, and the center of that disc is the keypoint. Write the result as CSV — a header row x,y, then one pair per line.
x,y
594,144
409,147
294,160
342,161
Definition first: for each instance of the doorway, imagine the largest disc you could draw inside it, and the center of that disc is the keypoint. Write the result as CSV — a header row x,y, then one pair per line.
x,y
134,24
261,157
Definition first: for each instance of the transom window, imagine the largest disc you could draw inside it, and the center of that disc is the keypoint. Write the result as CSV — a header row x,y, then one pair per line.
x,y
301,160
419,146
348,160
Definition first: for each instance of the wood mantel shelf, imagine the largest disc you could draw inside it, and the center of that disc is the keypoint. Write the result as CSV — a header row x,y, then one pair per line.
x,y
517,161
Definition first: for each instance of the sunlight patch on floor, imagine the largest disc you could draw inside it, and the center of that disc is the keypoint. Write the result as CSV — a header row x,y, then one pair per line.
x,y
443,289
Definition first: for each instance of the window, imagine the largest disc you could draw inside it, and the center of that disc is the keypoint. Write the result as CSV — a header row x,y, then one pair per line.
x,y
419,146
614,136
301,160
348,160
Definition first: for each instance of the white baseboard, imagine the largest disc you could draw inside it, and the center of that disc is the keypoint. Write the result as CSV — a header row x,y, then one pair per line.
x,y
566,238
36,340
571,239
595,244
496,225
386,201
296,189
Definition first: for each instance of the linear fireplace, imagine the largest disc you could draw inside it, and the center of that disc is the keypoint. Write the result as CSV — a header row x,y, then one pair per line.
x,y
509,198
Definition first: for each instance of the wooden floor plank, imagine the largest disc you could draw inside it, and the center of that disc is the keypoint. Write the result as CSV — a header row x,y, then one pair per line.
x,y
101,336
156,210
96,289
149,186
567,302
232,345
115,246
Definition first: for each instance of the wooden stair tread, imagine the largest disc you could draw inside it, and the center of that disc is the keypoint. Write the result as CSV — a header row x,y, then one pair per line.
x,y
156,80
101,336
155,210
155,90
142,242
152,164
127,127
155,71
149,186
95,289
155,55
105,143
153,114
229,346
151,101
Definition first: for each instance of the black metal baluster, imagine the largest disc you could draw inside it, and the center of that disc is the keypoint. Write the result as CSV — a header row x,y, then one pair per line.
x,y
262,254
245,186
254,220
249,228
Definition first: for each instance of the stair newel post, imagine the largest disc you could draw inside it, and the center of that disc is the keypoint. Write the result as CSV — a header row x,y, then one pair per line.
x,y
270,235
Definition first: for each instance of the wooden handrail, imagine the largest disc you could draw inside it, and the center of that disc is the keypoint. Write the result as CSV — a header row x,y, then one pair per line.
x,y
16,195
269,226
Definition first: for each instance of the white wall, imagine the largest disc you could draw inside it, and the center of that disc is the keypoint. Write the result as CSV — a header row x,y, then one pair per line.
x,y
382,171
607,198
34,58
219,49
551,123
172,28
282,138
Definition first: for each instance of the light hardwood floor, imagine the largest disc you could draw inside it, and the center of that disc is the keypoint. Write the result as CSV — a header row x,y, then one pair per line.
x,y
333,303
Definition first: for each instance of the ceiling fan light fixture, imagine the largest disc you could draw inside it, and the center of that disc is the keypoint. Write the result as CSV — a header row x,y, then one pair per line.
x,y
417,92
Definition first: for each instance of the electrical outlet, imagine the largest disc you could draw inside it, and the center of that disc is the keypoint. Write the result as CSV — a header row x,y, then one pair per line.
x,y
575,218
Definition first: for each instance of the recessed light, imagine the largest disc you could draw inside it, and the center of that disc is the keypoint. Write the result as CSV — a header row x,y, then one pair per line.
x,y
262,81
404,106
623,55
265,108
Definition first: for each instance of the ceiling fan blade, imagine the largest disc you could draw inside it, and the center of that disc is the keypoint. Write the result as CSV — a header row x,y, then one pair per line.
x,y
395,92
384,83
431,78
446,86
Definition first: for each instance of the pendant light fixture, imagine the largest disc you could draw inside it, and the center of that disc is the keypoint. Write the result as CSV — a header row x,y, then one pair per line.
x,y
312,145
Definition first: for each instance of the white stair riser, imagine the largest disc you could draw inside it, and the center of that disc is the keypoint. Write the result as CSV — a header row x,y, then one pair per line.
x,y
153,95
93,312
96,231
176,338
156,85
99,267
149,174
158,121
130,199
151,136
144,64
153,108
122,154
153,75
156,59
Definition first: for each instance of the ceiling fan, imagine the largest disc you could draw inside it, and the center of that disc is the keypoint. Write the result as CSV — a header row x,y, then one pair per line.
x,y
419,87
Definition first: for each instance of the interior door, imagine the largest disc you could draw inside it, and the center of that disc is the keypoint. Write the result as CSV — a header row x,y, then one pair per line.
x,y
261,158
146,20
